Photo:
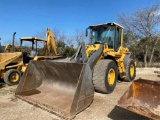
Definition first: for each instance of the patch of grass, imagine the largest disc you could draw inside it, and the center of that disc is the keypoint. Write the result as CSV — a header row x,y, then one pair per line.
x,y
7,92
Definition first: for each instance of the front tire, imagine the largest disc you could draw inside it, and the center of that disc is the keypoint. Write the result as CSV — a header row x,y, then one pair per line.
x,y
105,76
130,71
12,77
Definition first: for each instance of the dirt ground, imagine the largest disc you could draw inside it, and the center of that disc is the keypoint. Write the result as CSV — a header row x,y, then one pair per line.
x,y
103,107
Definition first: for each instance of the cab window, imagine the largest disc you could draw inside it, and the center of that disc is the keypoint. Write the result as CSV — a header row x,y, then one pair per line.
x,y
118,38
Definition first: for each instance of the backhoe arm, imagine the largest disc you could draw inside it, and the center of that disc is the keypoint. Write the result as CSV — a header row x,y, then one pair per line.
x,y
51,43
7,48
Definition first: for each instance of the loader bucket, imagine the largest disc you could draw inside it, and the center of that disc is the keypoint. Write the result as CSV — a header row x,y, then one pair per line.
x,y
64,89
143,97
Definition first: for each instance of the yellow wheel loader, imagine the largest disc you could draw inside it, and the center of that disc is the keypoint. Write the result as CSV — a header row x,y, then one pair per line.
x,y
66,88
13,63
114,60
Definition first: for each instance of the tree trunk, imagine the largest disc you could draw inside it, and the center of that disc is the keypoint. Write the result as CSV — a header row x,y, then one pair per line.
x,y
151,57
145,56
150,60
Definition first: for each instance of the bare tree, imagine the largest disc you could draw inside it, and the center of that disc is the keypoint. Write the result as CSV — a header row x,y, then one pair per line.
x,y
41,34
77,37
144,23
155,41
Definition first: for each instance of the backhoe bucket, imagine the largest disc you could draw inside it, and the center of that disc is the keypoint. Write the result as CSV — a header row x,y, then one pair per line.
x,y
61,88
143,97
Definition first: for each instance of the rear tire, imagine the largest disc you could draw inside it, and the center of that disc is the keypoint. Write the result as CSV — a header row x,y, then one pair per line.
x,y
12,77
105,74
130,71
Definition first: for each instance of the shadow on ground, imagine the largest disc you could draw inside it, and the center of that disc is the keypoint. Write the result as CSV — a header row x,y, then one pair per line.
x,y
2,84
119,113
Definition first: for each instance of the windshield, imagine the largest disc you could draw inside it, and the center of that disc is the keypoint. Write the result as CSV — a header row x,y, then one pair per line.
x,y
32,47
102,34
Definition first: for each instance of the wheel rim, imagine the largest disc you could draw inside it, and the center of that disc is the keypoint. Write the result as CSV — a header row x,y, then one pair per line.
x,y
14,77
111,76
132,70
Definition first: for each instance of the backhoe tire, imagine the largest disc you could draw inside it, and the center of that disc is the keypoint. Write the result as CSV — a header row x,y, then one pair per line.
x,y
105,75
130,71
12,77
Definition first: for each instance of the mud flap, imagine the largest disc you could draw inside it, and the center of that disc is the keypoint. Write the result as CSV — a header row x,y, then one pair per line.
x,y
143,97
61,88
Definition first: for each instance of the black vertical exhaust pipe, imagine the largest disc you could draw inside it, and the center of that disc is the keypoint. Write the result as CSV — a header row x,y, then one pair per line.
x,y
13,41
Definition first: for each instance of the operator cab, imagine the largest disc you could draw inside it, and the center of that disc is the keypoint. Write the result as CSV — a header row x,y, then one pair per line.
x,y
109,33
32,49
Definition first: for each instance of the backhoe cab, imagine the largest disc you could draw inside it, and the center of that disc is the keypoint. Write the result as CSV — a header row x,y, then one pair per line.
x,y
30,52
34,43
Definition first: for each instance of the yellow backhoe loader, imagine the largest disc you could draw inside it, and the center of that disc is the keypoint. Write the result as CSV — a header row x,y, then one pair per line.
x,y
13,63
67,88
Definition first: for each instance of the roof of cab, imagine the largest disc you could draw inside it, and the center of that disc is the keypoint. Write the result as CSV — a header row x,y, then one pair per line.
x,y
32,39
114,23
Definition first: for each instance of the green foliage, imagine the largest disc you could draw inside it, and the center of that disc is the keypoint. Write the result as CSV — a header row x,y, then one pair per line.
x,y
157,56
141,32
61,47
138,52
2,49
64,49
26,49
69,51
40,51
